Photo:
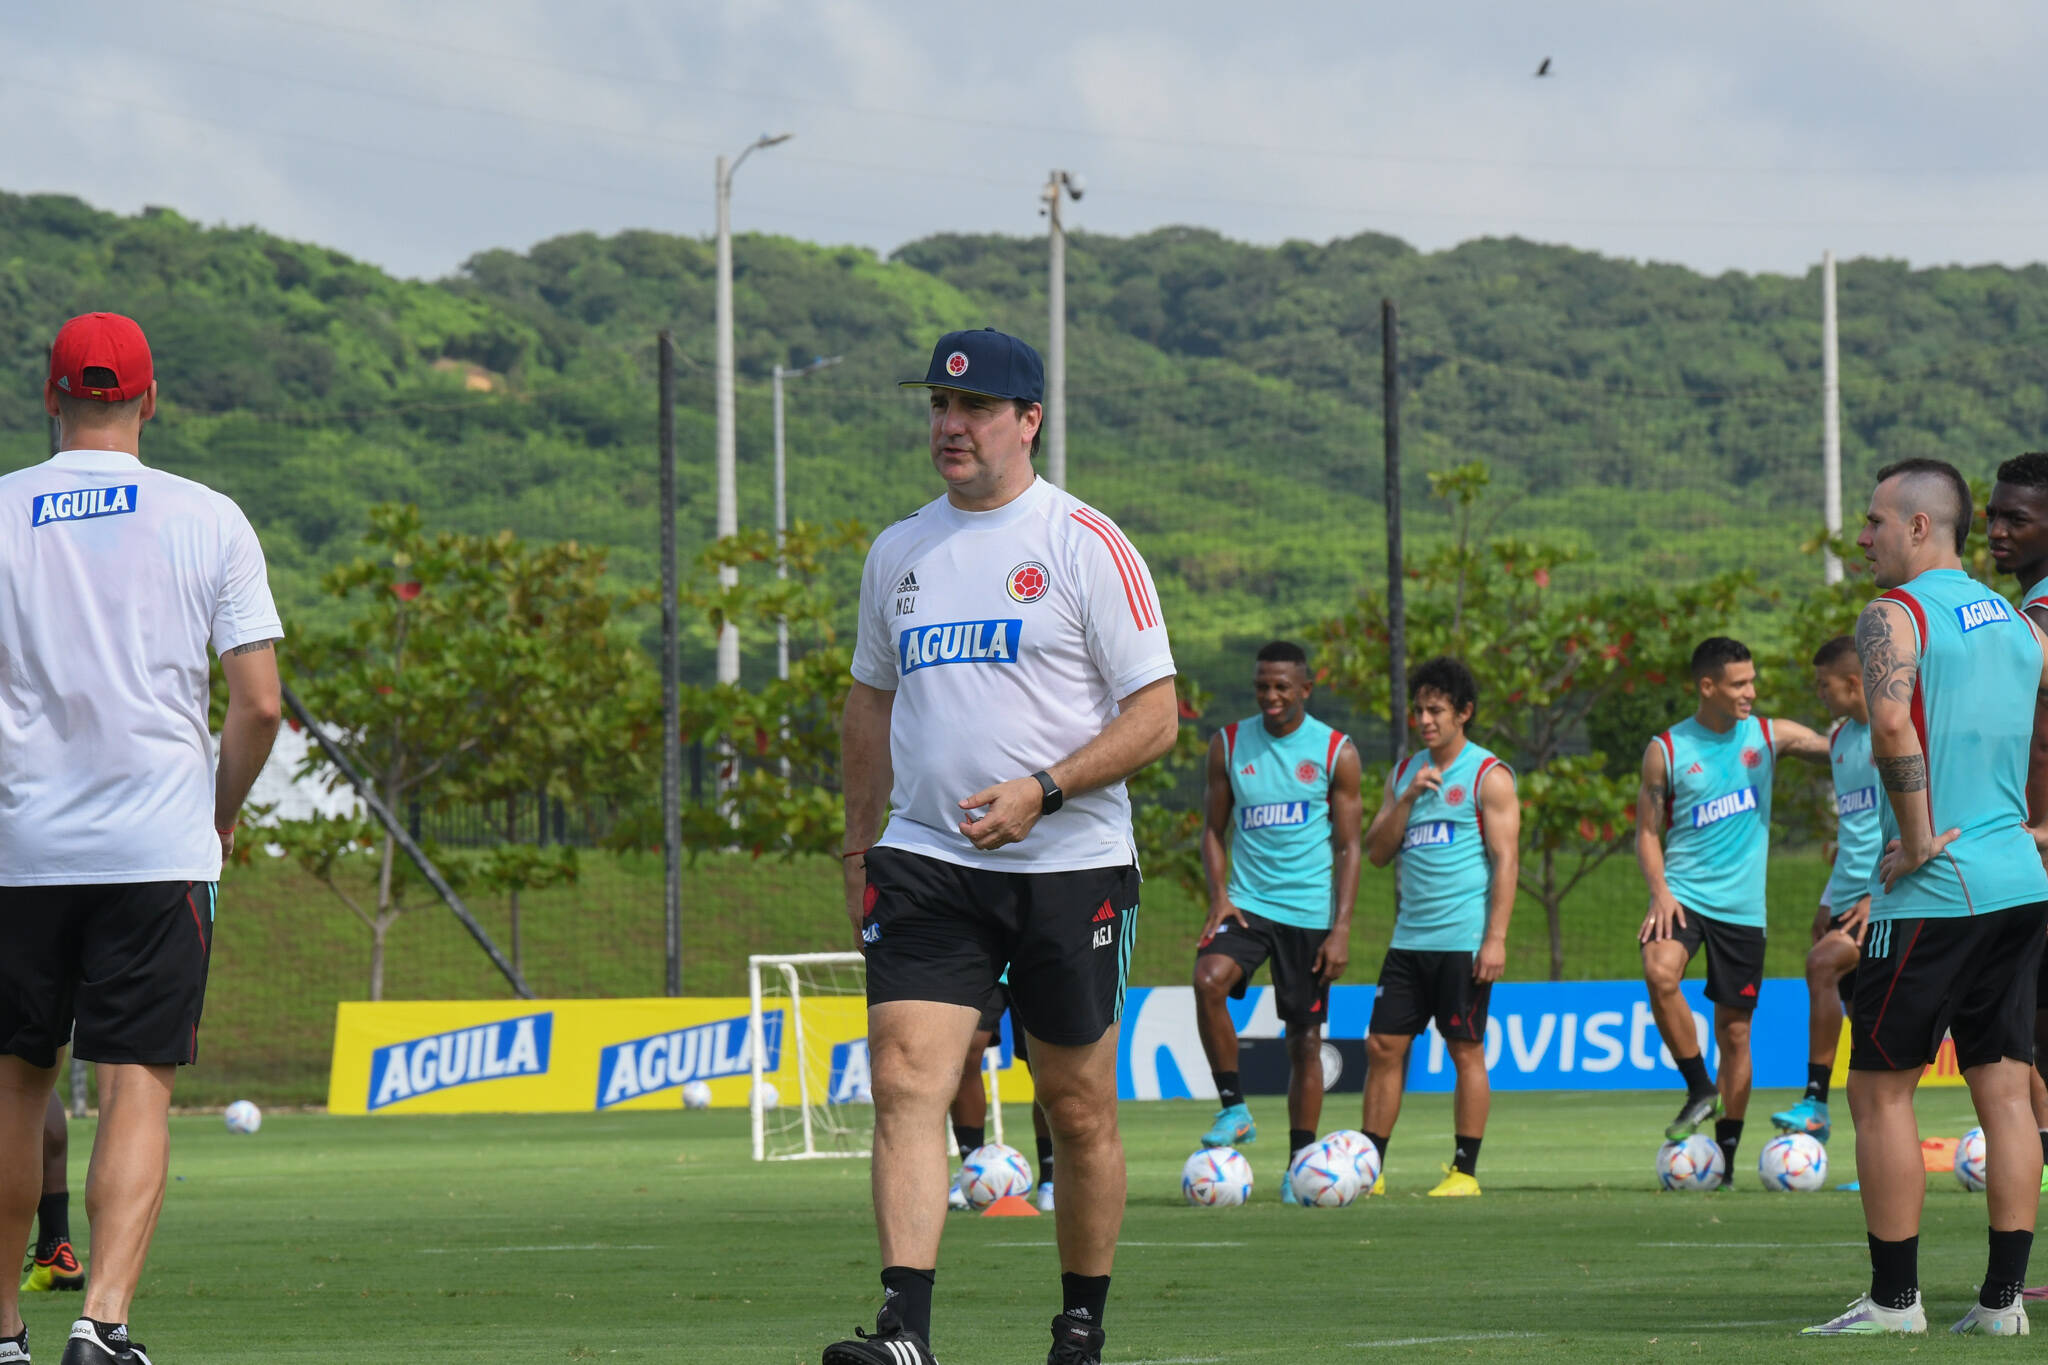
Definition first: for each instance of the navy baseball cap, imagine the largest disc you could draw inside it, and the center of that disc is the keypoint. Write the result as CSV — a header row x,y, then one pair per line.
x,y
986,362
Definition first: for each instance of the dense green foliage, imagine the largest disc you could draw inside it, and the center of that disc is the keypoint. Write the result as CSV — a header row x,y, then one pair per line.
x,y
651,1237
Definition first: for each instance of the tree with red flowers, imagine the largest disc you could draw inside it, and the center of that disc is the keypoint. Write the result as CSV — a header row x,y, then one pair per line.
x,y
1545,657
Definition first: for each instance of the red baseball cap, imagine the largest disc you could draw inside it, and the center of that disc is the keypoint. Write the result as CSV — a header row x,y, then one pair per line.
x,y
102,356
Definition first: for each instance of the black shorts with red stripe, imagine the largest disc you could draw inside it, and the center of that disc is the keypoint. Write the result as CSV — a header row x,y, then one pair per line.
x,y
1300,997
1970,976
121,964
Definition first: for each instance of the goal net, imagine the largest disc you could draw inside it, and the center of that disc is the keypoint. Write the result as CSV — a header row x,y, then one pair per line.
x,y
810,1095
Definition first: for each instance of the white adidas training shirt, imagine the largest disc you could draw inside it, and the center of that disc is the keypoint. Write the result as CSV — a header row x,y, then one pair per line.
x,y
114,578
1007,637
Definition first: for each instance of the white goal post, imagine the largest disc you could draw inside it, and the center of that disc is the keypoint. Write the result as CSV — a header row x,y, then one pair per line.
x,y
807,1056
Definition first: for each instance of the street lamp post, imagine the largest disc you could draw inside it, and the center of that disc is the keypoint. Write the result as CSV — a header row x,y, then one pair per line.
x,y
1060,182
782,526
728,439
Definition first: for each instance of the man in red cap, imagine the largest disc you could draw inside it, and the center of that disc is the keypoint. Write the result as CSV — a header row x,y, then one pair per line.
x,y
114,816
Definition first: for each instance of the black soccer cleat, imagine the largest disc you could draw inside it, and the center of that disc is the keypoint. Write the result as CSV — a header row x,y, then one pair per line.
x,y
1075,1341
891,1343
88,1346
14,1349
1696,1110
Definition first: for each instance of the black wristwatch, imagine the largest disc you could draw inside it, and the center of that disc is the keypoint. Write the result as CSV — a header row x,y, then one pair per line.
x,y
1054,797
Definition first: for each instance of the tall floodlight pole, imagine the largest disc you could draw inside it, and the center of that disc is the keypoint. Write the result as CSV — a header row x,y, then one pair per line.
x,y
728,436
1397,607
782,527
1058,184
1830,416
671,674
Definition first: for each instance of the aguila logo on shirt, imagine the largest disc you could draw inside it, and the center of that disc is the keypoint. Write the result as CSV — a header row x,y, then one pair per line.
x,y
956,364
1971,615
959,642
1856,802
82,505
1272,815
1306,771
1454,796
1752,757
1723,807
1028,581
1429,834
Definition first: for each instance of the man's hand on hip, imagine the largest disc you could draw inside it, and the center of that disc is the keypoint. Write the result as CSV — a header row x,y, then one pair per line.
x,y
1013,809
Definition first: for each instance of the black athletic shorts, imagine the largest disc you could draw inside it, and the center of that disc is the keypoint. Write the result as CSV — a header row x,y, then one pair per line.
x,y
1846,987
1972,977
1298,997
1417,986
1735,957
935,930
992,1009
125,962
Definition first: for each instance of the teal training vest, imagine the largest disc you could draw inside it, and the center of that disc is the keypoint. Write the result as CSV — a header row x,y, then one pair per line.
x,y
1973,707
1444,874
1280,854
1858,840
1718,818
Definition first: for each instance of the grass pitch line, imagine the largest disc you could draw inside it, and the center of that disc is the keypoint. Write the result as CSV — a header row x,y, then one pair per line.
x,y
1431,1341
579,1246
1121,1245
1711,1246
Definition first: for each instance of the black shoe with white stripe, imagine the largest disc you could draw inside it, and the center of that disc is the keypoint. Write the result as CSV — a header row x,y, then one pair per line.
x,y
1075,1341
891,1343
89,1346
14,1349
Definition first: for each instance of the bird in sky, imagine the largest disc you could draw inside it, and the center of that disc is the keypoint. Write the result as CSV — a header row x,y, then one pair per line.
x,y
1544,70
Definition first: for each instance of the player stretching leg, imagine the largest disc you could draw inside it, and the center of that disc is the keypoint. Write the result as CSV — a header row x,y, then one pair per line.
x,y
1838,938
1707,781
54,1265
2017,527
1450,816
1955,680
1010,670
1290,786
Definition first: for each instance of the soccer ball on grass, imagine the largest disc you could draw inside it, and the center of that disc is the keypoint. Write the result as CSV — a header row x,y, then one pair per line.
x,y
1694,1164
1325,1176
1364,1156
993,1171
696,1095
1970,1161
1793,1161
242,1117
1216,1178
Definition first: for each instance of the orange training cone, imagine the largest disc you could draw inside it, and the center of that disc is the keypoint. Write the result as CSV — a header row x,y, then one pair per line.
x,y
1010,1206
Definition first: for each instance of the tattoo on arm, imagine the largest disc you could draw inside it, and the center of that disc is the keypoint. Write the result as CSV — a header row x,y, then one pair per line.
x,y
253,646
1888,673
1908,774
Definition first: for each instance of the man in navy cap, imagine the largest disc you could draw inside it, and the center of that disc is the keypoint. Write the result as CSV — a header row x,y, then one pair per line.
x,y
1011,671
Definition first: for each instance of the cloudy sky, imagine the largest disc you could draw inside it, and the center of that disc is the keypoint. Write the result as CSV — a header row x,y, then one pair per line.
x,y
1746,134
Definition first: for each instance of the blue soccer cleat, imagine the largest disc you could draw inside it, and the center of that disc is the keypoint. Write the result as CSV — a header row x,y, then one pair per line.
x,y
1233,1128
1809,1116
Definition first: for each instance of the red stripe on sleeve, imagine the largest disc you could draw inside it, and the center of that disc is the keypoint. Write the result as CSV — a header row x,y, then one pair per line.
x,y
1486,765
1123,571
1670,774
1330,759
1230,741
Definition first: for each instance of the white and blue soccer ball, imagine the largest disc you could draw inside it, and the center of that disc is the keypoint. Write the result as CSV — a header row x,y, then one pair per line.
x,y
696,1095
1216,1178
765,1094
1793,1161
1970,1161
1694,1164
242,1117
1365,1157
1325,1176
993,1172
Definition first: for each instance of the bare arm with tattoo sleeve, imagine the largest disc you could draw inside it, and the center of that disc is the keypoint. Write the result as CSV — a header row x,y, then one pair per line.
x,y
1664,913
1890,652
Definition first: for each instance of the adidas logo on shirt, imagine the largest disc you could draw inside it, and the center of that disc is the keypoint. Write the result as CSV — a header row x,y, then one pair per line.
x,y
909,583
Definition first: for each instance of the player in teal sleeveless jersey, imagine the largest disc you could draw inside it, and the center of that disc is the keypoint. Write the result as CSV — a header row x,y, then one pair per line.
x,y
1840,923
2016,526
1953,675
1450,820
1703,841
1280,843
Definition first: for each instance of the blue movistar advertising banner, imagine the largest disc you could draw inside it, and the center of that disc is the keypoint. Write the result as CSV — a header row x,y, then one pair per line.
x,y
1540,1035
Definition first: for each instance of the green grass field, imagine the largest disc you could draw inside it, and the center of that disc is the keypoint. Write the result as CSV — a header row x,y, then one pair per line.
x,y
285,950
652,1237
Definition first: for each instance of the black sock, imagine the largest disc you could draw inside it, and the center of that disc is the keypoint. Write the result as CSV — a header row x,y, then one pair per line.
x,y
1380,1142
970,1139
1298,1138
2007,1269
1694,1069
53,1221
909,1292
1045,1160
1728,1133
1817,1077
1894,1272
1465,1157
113,1333
2044,1144
1227,1092
1084,1296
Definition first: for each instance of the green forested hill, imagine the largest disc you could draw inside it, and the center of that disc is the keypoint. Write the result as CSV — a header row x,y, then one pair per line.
x,y
1224,398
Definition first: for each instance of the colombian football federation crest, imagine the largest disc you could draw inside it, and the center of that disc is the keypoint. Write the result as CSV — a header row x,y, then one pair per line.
x,y
1306,771
1028,581
956,364
1752,757
1454,796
